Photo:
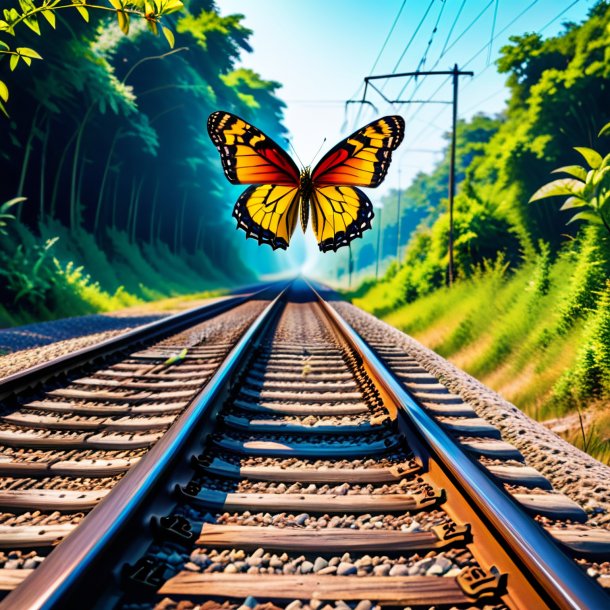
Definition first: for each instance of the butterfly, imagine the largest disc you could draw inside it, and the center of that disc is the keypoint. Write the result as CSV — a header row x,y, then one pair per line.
x,y
269,209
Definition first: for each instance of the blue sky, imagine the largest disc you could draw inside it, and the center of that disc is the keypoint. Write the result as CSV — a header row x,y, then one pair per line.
x,y
320,50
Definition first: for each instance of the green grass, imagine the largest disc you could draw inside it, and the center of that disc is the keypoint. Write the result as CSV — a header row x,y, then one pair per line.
x,y
511,331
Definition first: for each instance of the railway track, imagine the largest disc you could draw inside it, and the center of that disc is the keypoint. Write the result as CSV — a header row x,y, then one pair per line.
x,y
276,463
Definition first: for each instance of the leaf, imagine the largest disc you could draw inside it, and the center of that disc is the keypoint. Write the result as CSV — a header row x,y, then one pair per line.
x,y
589,216
605,130
176,358
3,92
118,5
563,186
172,5
84,13
123,19
169,36
28,52
14,61
3,110
4,45
27,60
32,23
573,170
152,26
592,157
573,202
50,17
4,27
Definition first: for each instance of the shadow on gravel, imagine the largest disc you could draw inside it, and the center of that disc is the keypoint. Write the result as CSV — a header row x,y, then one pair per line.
x,y
43,333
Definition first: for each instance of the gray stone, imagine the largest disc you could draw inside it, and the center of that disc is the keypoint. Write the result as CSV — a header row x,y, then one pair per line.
x,y
345,569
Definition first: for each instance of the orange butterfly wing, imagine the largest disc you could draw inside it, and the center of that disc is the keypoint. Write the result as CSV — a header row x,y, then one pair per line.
x,y
363,158
248,156
340,212
268,213
338,215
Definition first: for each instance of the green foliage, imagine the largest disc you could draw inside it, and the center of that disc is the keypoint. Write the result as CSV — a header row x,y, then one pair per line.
x,y
5,215
588,190
30,12
541,278
590,263
590,375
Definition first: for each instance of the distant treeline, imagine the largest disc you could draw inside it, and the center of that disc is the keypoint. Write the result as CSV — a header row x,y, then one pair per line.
x,y
108,133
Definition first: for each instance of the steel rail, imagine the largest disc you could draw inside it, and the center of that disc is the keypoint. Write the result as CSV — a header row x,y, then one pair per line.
x,y
561,579
147,332
50,583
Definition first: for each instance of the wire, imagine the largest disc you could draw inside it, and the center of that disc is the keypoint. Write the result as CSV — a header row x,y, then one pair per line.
x,y
387,38
565,10
446,49
470,25
419,26
383,46
508,25
422,61
493,29
453,26
385,42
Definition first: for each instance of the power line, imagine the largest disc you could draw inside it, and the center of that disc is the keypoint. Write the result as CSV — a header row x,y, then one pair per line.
x,y
506,27
446,49
385,42
493,28
453,26
422,61
470,25
419,26
387,38
565,10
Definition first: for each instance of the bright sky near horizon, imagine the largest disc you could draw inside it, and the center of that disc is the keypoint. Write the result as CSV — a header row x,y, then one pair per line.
x,y
320,51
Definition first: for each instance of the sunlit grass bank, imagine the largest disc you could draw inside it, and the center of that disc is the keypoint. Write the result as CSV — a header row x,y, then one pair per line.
x,y
539,336
59,274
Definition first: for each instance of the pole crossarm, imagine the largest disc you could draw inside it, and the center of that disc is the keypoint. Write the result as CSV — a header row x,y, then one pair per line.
x,y
455,73
417,73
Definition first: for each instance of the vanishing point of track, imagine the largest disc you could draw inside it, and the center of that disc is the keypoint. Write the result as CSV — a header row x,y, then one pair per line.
x,y
259,454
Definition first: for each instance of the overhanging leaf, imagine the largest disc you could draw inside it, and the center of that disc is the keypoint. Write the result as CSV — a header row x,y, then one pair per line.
x,y
605,130
563,186
28,52
123,19
573,170
13,62
169,36
588,216
50,17
592,157
573,202
3,91
32,23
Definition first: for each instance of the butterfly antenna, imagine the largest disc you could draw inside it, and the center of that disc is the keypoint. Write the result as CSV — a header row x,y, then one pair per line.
x,y
319,149
296,154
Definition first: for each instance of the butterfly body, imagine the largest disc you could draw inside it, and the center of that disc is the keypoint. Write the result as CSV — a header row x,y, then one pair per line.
x,y
281,193
305,193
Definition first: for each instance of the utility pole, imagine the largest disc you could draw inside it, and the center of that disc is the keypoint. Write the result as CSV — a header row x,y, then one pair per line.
x,y
398,223
378,245
455,73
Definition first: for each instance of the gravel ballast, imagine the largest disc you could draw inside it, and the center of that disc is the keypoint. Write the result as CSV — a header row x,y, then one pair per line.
x,y
571,471
25,346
